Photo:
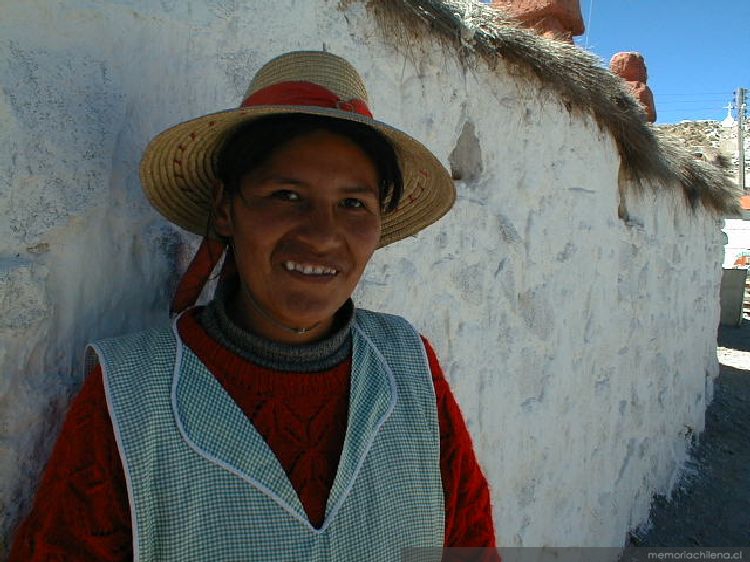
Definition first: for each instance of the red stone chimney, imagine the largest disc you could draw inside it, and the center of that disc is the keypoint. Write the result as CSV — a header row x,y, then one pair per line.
x,y
557,19
632,68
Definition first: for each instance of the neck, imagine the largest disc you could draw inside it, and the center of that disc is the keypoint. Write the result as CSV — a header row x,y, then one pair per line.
x,y
310,357
249,314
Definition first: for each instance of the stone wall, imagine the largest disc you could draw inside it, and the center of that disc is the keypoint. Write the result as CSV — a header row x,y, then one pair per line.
x,y
714,141
581,347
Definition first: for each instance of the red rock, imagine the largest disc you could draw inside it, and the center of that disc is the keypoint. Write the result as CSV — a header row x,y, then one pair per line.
x,y
644,95
559,19
632,68
629,66
553,28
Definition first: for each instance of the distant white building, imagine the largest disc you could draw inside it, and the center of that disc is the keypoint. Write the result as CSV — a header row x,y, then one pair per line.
x,y
729,120
716,141
738,242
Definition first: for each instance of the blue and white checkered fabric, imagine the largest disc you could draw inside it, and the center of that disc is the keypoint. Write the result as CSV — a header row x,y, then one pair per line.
x,y
204,485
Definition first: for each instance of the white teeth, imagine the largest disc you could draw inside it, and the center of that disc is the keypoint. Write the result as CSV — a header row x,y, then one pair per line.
x,y
308,269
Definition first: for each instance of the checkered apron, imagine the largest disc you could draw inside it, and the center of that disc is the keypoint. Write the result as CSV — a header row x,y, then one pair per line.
x,y
204,485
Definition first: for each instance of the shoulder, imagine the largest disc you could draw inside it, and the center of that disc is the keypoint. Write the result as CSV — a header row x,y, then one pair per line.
x,y
148,335
367,318
393,325
434,362
147,344
387,332
148,338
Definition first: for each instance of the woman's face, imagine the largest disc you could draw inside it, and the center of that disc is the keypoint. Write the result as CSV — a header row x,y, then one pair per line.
x,y
303,225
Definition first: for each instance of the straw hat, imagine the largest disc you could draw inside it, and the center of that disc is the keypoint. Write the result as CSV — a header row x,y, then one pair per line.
x,y
177,169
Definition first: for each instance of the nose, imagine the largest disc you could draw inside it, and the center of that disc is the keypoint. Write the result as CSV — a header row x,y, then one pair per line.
x,y
319,227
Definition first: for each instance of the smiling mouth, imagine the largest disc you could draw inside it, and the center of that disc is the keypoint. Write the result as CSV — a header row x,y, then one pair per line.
x,y
310,269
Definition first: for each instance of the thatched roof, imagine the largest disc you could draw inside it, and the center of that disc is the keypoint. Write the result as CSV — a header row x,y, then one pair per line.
x,y
579,78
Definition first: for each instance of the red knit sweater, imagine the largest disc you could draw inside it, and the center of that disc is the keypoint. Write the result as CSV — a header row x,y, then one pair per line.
x,y
81,510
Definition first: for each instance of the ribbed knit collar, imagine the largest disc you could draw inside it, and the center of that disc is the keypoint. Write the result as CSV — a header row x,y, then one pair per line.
x,y
302,358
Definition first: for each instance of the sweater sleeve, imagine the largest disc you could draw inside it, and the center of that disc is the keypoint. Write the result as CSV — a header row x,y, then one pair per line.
x,y
81,509
468,509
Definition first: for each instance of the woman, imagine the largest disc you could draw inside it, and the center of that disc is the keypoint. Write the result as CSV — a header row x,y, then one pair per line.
x,y
278,422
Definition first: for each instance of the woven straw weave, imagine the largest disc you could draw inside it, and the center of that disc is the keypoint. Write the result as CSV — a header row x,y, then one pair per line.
x,y
324,69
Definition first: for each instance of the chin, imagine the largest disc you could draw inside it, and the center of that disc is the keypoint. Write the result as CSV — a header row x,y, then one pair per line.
x,y
303,314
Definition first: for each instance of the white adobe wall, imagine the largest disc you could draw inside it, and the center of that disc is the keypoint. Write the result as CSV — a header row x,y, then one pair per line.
x,y
581,348
738,240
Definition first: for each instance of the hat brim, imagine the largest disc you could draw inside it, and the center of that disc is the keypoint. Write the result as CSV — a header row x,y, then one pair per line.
x,y
177,171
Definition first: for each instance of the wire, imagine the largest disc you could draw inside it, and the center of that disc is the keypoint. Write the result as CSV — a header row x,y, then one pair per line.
x,y
730,94
684,111
588,22
687,102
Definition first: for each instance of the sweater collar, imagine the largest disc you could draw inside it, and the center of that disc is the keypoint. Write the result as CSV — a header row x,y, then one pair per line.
x,y
311,357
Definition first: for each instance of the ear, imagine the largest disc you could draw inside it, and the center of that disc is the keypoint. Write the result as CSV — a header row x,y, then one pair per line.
x,y
222,205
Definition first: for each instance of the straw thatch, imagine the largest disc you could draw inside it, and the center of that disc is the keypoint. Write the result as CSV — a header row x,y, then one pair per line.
x,y
578,77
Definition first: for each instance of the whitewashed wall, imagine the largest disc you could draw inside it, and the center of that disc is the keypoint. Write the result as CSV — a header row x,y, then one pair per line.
x,y
738,240
581,348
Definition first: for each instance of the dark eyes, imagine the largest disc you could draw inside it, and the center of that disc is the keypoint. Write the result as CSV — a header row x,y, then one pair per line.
x,y
286,195
294,197
353,203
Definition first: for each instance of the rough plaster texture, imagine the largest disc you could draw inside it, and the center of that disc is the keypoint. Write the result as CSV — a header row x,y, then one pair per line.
x,y
581,347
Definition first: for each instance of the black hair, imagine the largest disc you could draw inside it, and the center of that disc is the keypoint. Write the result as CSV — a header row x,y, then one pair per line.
x,y
253,143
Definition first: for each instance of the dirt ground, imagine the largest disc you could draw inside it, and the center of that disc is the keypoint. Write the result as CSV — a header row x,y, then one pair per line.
x,y
711,505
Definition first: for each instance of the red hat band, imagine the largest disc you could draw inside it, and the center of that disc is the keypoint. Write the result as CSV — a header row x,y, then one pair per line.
x,y
305,94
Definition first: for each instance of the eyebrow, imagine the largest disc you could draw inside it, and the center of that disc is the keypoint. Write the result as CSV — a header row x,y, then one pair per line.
x,y
283,179
354,189
360,189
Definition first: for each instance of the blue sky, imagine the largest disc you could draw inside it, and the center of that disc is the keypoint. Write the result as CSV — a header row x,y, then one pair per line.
x,y
697,53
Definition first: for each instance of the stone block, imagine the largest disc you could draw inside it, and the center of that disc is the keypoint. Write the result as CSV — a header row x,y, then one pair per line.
x,y
558,19
644,95
629,66
632,68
